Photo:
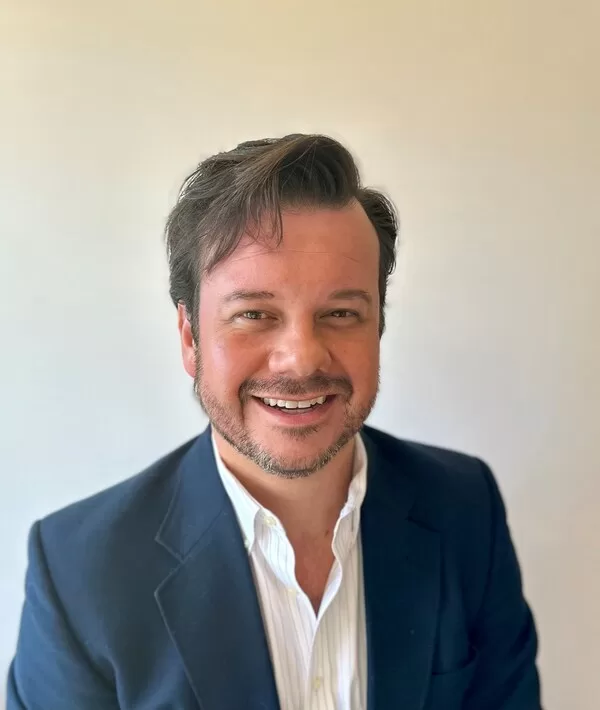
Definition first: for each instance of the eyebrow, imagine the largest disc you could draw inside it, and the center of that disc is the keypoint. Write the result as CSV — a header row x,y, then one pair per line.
x,y
243,295
347,294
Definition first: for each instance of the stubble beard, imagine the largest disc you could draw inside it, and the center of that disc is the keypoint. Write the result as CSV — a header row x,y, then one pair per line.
x,y
237,436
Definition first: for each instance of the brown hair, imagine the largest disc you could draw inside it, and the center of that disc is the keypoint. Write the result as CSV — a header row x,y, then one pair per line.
x,y
231,192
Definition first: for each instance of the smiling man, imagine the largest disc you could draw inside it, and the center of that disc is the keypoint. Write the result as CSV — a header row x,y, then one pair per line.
x,y
290,556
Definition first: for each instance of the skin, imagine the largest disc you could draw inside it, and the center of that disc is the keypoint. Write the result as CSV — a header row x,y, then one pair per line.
x,y
304,340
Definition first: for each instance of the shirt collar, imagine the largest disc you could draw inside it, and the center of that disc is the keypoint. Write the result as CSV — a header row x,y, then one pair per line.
x,y
358,484
245,505
247,508
348,524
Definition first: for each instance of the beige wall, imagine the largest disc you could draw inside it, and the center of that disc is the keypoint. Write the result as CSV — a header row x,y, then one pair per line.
x,y
482,121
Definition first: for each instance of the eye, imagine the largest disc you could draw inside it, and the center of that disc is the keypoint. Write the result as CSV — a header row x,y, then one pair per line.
x,y
252,315
341,314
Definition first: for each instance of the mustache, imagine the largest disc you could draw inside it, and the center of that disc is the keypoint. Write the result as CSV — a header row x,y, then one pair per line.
x,y
296,388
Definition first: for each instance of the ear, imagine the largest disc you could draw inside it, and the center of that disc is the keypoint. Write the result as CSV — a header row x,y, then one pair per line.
x,y
188,347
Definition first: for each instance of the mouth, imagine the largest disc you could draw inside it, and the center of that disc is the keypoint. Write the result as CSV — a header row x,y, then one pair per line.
x,y
306,410
292,405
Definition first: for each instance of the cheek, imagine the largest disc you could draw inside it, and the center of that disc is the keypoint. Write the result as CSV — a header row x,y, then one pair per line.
x,y
361,362
228,362
369,374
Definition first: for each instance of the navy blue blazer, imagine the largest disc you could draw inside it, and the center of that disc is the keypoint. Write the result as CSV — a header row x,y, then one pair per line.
x,y
142,597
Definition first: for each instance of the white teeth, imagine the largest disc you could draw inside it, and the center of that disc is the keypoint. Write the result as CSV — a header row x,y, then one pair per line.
x,y
293,404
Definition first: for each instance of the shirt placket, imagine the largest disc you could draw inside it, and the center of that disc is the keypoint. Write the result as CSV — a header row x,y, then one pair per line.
x,y
283,569
320,693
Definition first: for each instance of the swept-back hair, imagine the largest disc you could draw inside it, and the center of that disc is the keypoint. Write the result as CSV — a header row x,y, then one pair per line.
x,y
247,188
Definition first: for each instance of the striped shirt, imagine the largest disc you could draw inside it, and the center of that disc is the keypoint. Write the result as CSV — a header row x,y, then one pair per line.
x,y
319,660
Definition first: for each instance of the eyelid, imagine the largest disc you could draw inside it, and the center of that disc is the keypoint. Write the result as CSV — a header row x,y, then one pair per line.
x,y
350,314
242,316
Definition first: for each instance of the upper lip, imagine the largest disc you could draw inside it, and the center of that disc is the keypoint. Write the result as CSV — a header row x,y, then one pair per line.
x,y
287,398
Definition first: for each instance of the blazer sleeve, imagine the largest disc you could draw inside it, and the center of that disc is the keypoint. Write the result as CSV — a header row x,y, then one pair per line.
x,y
506,677
51,670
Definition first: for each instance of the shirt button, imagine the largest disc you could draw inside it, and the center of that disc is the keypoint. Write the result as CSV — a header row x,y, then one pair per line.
x,y
270,521
317,682
291,591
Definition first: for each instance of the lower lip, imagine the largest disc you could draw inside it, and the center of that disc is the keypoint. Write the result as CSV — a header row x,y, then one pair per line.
x,y
300,417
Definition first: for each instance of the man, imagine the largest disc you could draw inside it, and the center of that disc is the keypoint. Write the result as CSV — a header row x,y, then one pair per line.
x,y
289,557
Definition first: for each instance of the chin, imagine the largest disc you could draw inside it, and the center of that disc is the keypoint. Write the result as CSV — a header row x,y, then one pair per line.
x,y
298,441
296,453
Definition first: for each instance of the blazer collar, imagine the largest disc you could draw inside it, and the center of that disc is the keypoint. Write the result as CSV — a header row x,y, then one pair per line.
x,y
199,499
209,602
401,567
211,609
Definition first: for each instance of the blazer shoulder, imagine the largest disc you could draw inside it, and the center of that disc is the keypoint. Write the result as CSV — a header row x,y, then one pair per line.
x,y
95,563
456,496
451,487
142,498
426,457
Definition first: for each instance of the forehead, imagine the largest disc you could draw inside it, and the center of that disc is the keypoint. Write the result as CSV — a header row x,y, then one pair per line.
x,y
318,246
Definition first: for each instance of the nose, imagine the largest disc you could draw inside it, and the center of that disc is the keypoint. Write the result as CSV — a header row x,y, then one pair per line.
x,y
300,351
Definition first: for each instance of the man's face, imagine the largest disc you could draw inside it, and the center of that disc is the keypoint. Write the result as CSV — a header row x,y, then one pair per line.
x,y
294,325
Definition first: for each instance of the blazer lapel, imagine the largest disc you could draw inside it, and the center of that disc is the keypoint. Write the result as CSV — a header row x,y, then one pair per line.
x,y
209,602
401,562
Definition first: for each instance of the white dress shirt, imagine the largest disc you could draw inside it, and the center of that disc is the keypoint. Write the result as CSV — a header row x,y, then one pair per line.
x,y
319,660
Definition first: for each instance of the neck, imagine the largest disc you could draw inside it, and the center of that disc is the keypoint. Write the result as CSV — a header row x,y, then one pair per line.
x,y
308,507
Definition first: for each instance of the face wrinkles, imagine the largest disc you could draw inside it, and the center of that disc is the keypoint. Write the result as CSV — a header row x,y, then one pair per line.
x,y
268,250
293,340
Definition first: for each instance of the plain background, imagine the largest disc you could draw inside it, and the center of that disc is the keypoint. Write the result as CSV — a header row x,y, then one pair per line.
x,y
480,119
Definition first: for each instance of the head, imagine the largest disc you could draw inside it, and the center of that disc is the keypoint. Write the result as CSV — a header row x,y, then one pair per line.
x,y
279,264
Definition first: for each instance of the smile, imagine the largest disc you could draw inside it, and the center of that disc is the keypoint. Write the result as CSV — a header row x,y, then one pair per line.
x,y
294,404
306,410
